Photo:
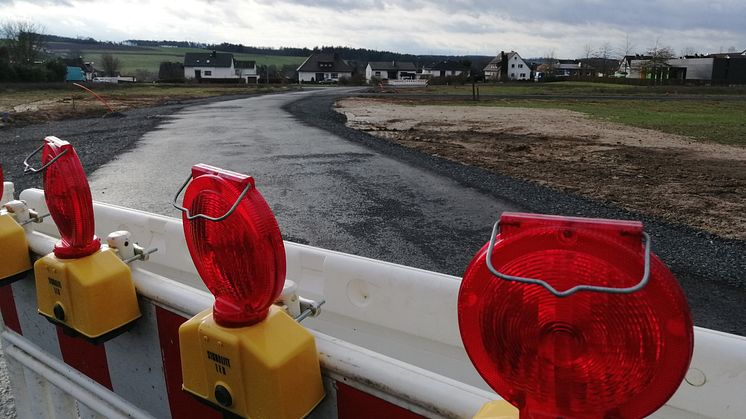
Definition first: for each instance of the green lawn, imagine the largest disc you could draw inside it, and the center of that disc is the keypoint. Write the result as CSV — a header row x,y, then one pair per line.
x,y
579,89
720,121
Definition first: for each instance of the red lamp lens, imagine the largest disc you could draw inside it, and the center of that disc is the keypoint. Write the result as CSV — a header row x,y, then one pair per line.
x,y
2,179
241,259
69,201
588,355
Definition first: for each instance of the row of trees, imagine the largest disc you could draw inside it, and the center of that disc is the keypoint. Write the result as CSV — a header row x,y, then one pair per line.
x,y
21,55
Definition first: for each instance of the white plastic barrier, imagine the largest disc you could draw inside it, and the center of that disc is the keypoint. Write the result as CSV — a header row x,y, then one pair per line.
x,y
388,329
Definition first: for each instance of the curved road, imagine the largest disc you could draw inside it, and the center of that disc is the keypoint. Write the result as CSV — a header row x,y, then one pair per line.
x,y
325,191
336,188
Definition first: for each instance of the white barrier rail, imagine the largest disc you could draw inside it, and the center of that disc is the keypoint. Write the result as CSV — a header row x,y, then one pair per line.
x,y
387,328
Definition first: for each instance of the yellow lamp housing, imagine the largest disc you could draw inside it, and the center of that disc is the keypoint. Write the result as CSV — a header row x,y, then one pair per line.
x,y
267,370
14,252
92,297
497,409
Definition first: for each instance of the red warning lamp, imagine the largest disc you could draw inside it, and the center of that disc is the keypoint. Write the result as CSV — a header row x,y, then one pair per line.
x,y
241,258
2,180
68,199
560,323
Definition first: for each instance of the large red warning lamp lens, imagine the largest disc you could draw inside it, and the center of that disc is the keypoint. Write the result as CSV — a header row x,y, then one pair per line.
x,y
68,198
235,243
569,328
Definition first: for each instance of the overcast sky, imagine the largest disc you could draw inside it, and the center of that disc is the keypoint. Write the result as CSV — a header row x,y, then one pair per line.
x,y
454,27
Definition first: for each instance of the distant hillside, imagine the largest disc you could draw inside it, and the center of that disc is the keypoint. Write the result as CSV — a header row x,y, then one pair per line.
x,y
146,55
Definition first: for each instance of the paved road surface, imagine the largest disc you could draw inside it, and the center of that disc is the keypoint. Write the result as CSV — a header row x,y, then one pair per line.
x,y
325,191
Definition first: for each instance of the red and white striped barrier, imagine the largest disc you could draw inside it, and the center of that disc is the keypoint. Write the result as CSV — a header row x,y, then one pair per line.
x,y
387,338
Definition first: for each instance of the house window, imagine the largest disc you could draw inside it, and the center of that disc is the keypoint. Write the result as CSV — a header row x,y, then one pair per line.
x,y
335,75
207,73
512,65
512,75
523,75
520,65
378,74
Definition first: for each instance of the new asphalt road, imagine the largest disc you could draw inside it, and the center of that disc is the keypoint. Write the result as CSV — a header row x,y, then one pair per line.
x,y
325,190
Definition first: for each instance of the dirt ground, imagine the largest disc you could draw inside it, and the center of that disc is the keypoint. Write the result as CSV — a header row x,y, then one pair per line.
x,y
665,175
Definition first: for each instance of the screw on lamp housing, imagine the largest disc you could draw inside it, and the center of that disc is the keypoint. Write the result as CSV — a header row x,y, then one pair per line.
x,y
245,356
68,198
15,259
553,335
235,243
85,289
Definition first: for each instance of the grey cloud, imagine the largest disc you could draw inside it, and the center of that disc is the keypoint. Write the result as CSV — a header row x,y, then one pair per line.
x,y
629,15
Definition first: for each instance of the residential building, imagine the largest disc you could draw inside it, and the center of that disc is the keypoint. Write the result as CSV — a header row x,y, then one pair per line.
x,y
390,70
209,65
247,71
572,68
79,70
445,69
323,67
713,68
507,66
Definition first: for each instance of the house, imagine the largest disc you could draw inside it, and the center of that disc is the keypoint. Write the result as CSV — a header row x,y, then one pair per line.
x,y
323,67
79,70
209,65
445,69
508,66
247,71
218,66
712,68
572,68
390,70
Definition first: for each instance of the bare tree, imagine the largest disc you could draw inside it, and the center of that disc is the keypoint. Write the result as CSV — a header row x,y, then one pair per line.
x,y
588,53
550,63
110,64
627,47
605,52
23,40
688,51
658,56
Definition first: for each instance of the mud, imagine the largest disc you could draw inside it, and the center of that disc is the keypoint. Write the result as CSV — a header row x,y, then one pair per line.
x,y
663,175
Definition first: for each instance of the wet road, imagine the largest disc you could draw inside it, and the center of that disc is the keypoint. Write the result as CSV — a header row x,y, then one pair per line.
x,y
326,191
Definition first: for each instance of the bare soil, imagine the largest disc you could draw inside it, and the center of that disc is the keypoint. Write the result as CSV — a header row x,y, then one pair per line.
x,y
665,175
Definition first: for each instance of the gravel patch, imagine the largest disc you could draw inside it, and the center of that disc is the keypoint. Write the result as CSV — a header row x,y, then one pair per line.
x,y
97,141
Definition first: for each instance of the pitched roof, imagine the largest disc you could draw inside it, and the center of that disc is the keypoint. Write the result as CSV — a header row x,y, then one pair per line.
x,y
325,62
392,66
448,65
245,64
208,59
498,59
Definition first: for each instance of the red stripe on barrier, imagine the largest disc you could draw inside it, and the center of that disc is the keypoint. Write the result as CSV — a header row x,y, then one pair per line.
x,y
355,404
182,404
85,357
8,309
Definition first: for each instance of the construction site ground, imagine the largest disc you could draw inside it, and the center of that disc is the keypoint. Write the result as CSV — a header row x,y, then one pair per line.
x,y
674,177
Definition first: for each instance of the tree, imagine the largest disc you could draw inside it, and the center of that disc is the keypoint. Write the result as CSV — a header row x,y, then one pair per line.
x,y
657,61
627,47
110,64
171,71
605,52
688,51
24,41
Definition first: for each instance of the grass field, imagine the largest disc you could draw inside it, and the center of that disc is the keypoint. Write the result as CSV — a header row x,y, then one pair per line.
x,y
720,121
150,58
580,88
25,105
